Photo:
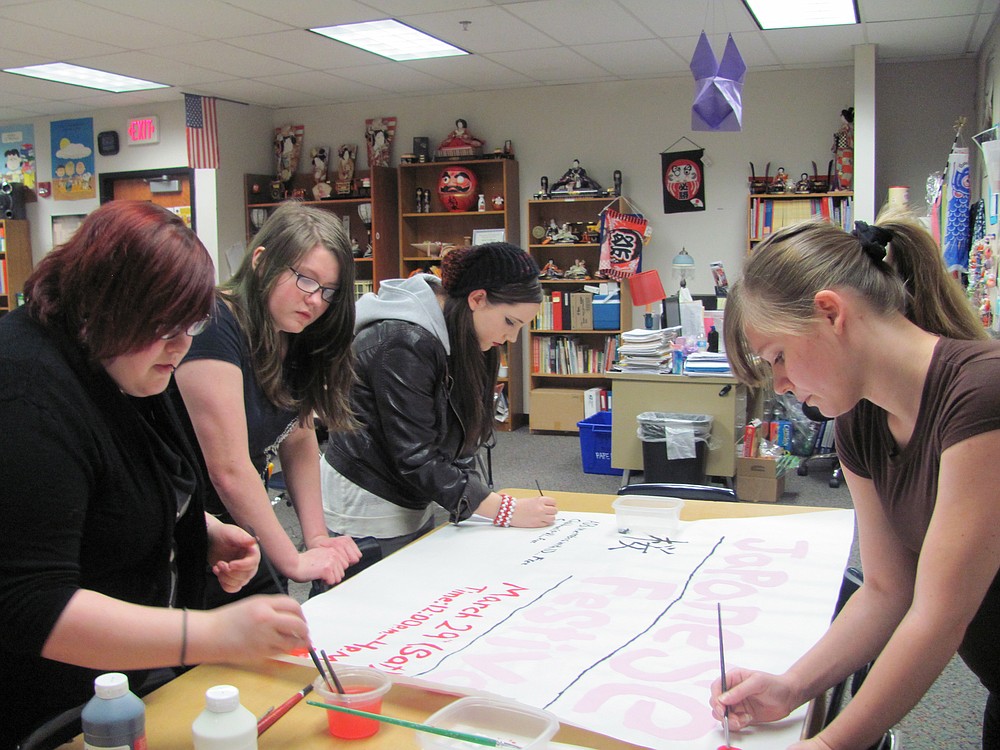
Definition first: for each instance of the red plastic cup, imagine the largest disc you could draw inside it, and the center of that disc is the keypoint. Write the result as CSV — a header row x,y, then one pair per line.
x,y
363,691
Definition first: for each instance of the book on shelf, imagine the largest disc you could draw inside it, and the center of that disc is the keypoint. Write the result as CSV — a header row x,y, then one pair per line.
x,y
596,399
569,355
581,307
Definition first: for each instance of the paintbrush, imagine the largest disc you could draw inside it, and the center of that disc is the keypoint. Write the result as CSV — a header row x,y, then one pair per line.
x,y
722,667
312,650
539,486
464,736
276,713
329,665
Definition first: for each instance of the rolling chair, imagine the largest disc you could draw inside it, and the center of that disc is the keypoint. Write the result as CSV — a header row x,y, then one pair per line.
x,y
852,582
836,475
683,491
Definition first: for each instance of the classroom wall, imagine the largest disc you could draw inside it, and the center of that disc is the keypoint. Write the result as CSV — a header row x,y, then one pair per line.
x,y
218,193
917,106
789,120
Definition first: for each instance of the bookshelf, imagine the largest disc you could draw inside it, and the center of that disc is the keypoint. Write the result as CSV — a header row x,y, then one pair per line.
x,y
424,233
768,213
15,260
574,339
383,263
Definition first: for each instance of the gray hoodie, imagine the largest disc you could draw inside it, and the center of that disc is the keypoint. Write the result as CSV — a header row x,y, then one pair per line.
x,y
411,300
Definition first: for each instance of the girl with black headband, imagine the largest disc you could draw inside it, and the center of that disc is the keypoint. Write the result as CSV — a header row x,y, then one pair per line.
x,y
427,353
869,328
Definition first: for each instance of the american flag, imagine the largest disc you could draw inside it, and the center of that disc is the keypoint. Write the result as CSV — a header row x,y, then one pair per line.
x,y
202,132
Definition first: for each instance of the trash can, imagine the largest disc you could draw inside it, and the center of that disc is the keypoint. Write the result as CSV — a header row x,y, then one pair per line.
x,y
674,446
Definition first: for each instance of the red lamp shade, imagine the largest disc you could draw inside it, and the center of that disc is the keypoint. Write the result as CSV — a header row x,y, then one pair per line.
x,y
646,288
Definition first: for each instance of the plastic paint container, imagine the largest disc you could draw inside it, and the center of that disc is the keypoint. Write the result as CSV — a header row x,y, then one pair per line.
x,y
363,691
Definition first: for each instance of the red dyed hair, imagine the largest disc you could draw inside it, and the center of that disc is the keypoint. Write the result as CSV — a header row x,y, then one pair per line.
x,y
132,272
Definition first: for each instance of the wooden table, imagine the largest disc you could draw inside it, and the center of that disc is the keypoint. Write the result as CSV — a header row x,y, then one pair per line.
x,y
171,709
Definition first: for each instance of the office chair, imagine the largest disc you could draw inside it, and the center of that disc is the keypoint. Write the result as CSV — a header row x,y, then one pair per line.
x,y
836,475
683,491
852,582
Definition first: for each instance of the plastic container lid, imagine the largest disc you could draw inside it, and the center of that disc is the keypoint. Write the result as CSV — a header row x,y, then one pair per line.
x,y
221,699
531,728
110,685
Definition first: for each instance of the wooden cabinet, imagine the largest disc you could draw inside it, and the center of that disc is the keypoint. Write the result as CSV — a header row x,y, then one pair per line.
x,y
426,227
574,341
722,398
769,213
370,219
15,260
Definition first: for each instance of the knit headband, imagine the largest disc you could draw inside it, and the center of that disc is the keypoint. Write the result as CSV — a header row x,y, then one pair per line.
x,y
490,266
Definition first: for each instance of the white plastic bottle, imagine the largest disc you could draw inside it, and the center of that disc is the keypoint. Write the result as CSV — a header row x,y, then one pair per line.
x,y
481,203
114,717
224,724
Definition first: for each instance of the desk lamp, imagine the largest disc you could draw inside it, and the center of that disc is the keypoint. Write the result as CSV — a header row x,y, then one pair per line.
x,y
683,269
646,290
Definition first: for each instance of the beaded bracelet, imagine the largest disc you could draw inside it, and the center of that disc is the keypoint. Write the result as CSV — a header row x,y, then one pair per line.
x,y
506,512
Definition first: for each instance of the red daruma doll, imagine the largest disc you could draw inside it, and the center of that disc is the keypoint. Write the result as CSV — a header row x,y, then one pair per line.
x,y
458,188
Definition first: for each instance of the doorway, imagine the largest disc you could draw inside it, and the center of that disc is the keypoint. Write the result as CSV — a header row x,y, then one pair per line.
x,y
172,188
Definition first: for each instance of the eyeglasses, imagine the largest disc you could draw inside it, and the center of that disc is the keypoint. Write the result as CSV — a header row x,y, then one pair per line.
x,y
194,329
311,286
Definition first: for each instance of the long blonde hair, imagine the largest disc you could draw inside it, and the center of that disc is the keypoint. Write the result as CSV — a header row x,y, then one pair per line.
x,y
780,280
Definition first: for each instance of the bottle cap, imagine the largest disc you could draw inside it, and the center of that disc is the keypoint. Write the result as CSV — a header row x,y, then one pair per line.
x,y
111,685
222,698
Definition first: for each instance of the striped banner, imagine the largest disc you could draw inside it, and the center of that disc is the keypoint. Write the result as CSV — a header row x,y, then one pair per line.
x,y
201,128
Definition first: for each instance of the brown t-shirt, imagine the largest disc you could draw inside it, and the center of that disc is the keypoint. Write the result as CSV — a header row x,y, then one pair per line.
x,y
960,399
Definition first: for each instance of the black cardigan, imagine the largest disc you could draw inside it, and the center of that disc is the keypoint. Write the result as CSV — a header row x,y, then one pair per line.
x,y
86,501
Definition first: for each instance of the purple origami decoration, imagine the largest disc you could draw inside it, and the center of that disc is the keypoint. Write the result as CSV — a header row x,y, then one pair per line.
x,y
718,87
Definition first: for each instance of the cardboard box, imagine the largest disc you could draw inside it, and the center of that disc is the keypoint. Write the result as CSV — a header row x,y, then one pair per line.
x,y
557,409
758,480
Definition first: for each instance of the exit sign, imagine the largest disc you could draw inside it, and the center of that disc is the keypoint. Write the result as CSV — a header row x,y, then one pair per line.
x,y
143,130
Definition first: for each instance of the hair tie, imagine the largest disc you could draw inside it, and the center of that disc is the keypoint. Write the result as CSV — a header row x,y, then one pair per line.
x,y
873,240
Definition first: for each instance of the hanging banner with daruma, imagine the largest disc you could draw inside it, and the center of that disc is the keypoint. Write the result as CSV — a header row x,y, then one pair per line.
x,y
683,181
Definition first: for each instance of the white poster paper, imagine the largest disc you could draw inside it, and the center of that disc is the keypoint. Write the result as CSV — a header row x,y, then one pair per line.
x,y
613,633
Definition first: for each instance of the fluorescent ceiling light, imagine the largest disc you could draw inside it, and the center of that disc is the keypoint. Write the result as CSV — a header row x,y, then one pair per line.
x,y
390,38
90,78
794,14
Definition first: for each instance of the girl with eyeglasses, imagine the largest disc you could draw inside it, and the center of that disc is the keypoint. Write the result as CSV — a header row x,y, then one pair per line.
x,y
276,355
105,540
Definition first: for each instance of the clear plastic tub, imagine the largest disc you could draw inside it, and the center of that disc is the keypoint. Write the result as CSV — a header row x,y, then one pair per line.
x,y
531,728
647,514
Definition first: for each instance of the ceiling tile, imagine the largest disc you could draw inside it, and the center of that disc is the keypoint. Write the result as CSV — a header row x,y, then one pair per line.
x,y
306,49
933,37
473,72
90,22
49,44
226,58
152,68
646,58
581,21
491,29
307,14
558,64
203,18
398,79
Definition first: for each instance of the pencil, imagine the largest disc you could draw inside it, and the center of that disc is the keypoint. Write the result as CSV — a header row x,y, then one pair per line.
x,y
464,736
272,716
722,667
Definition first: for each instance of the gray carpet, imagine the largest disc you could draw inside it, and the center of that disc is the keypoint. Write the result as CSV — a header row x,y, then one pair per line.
x,y
949,716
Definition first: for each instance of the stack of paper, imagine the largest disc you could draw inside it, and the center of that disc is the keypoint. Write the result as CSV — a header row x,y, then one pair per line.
x,y
644,350
706,363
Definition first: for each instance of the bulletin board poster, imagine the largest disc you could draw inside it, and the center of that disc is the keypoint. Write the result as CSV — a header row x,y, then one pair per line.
x,y
73,159
18,143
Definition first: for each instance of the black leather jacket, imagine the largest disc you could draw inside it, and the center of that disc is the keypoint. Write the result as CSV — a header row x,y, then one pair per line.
x,y
408,450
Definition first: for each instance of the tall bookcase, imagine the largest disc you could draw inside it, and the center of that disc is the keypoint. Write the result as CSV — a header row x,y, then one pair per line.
x,y
383,263
424,233
567,360
15,260
769,213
